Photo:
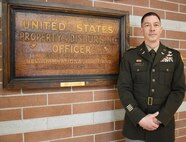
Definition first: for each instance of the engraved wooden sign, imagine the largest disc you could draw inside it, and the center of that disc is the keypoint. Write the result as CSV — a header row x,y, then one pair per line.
x,y
59,46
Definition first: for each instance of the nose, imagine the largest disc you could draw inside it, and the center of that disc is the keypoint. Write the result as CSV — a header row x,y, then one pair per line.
x,y
152,28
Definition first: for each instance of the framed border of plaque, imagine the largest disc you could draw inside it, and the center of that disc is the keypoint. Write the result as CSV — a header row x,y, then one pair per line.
x,y
50,45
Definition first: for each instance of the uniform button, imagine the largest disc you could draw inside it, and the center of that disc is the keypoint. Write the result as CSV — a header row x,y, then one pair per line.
x,y
153,70
167,70
153,80
152,90
138,69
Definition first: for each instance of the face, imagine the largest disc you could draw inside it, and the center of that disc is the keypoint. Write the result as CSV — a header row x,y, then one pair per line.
x,y
151,29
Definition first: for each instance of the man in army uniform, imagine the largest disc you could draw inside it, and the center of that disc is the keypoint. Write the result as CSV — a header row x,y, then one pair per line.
x,y
151,89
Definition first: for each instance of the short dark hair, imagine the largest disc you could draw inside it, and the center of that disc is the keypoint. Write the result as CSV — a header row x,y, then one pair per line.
x,y
150,14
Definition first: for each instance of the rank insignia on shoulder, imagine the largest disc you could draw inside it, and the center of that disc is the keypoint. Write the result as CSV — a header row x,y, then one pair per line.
x,y
130,107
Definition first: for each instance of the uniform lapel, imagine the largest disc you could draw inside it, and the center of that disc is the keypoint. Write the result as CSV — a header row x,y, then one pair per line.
x,y
143,52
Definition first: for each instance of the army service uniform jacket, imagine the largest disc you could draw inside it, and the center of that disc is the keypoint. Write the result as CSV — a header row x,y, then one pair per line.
x,y
147,86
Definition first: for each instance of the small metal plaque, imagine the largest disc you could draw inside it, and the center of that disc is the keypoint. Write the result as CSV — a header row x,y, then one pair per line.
x,y
57,44
67,84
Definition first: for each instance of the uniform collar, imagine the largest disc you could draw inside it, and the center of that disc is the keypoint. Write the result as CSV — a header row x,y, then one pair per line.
x,y
161,53
149,49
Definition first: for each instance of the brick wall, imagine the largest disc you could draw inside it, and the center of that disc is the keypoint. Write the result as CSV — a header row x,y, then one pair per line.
x,y
87,114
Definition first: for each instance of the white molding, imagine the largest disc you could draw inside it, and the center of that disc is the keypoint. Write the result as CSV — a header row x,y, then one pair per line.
x,y
56,122
135,21
48,123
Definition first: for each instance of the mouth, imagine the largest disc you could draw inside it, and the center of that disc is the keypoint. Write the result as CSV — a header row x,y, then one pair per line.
x,y
152,35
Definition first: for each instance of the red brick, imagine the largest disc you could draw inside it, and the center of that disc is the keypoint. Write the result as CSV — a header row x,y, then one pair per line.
x,y
114,6
182,132
176,133
7,115
72,2
22,101
137,32
48,135
119,125
183,8
183,53
181,139
106,137
93,107
182,115
184,61
165,5
180,123
93,88
178,1
93,129
118,104
46,90
183,44
106,95
9,92
64,98
176,16
170,43
176,115
141,11
176,35
144,3
78,139
37,112
11,138
135,41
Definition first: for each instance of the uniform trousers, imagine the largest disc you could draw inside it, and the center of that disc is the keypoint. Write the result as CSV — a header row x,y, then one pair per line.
x,y
129,140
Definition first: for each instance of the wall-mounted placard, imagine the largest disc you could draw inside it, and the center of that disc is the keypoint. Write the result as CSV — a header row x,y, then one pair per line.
x,y
55,45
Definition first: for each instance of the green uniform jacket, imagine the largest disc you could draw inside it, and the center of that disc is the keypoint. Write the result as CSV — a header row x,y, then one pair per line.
x,y
145,87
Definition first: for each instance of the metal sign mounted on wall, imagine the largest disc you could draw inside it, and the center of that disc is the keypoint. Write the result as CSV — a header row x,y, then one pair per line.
x,y
55,45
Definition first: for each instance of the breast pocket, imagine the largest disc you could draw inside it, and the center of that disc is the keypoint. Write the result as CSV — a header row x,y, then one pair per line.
x,y
165,74
139,74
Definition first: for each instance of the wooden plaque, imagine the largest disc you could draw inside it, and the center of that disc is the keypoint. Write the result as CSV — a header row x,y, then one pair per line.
x,y
48,45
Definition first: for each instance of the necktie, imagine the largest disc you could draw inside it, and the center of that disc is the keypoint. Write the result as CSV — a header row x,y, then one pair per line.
x,y
153,54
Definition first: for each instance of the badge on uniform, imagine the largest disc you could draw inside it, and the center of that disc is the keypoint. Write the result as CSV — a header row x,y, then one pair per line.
x,y
139,62
168,58
130,107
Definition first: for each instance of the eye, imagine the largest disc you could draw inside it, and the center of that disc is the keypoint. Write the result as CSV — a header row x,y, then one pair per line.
x,y
156,24
146,25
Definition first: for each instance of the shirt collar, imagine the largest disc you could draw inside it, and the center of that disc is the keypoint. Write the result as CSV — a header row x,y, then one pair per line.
x,y
149,49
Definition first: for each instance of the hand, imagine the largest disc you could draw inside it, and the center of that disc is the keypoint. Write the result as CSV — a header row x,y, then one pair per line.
x,y
149,122
157,121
